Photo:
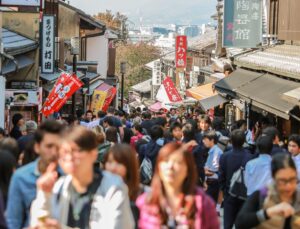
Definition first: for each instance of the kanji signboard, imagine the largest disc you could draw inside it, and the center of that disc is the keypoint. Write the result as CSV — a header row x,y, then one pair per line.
x,y
242,23
48,45
156,73
181,50
21,2
171,90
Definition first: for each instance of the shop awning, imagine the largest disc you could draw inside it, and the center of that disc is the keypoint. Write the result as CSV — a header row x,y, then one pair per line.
x,y
201,92
211,102
94,85
143,87
21,62
267,92
236,79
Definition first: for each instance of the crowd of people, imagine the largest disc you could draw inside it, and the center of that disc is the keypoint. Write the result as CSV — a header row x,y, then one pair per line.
x,y
145,170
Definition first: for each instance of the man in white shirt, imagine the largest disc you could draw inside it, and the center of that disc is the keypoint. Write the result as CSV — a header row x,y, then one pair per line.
x,y
294,150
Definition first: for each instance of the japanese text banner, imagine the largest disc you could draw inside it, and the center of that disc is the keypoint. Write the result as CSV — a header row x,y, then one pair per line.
x,y
181,50
171,90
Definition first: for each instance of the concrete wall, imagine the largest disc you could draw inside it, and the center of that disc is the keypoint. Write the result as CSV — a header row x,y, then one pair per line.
x,y
26,24
97,50
68,26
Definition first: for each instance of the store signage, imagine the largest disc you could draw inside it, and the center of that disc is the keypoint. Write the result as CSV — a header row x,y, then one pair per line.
x,y
156,73
171,90
242,23
48,44
181,51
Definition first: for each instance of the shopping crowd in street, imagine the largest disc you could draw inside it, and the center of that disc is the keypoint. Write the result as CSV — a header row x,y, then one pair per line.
x,y
166,169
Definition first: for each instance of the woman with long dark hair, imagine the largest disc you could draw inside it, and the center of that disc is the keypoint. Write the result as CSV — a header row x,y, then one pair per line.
x,y
8,165
174,200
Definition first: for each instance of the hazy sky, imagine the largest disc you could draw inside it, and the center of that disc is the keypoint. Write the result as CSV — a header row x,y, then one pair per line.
x,y
154,11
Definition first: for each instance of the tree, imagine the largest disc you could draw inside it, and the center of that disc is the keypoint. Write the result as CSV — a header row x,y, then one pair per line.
x,y
136,56
117,22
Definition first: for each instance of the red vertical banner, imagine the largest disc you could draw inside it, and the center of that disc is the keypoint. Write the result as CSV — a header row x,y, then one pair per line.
x,y
109,98
171,90
181,51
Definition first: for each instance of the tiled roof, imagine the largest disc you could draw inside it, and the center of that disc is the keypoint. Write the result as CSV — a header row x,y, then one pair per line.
x,y
143,87
207,39
15,43
281,59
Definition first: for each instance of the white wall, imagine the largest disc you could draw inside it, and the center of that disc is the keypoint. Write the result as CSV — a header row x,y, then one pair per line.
x,y
97,50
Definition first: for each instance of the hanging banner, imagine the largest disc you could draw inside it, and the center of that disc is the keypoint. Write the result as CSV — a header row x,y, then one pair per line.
x,y
242,23
98,100
156,73
64,88
111,93
171,90
181,50
48,44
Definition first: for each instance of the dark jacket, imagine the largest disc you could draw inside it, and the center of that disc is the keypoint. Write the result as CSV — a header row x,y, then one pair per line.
x,y
150,150
2,218
15,133
230,162
277,149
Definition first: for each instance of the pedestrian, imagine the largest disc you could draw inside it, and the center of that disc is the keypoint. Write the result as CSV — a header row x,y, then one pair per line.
x,y
137,132
8,165
230,162
22,189
10,145
31,127
147,123
151,149
112,135
17,121
100,116
210,140
2,217
275,206
257,171
176,131
116,122
174,200
204,125
122,160
85,197
275,135
294,150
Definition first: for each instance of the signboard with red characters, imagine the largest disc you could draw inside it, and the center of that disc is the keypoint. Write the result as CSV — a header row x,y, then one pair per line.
x,y
181,50
171,90
109,98
64,88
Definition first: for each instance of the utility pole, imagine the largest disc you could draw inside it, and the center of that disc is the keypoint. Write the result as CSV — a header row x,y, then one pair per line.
x,y
123,71
74,51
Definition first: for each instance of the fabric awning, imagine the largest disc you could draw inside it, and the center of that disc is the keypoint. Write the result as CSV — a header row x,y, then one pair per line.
x,y
211,102
22,61
236,79
267,93
201,92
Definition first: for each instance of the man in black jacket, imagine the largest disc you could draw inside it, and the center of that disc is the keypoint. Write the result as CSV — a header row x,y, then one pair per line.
x,y
273,133
230,162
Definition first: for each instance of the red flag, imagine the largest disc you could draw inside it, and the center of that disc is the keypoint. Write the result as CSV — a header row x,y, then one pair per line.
x,y
171,90
64,88
109,98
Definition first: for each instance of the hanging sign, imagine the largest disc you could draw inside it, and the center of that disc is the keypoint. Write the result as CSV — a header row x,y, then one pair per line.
x,y
48,44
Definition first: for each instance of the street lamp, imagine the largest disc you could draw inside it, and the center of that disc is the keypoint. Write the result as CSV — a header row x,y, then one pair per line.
x,y
123,71
74,51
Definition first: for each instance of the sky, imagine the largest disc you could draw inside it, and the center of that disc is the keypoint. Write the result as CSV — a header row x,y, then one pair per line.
x,y
154,11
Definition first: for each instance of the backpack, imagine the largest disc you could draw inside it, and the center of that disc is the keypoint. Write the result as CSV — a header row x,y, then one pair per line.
x,y
146,171
237,187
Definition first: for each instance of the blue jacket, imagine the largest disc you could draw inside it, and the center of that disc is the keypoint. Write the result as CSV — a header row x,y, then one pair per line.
x,y
22,191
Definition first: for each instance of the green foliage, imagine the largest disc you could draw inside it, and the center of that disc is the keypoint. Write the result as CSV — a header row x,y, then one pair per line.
x,y
136,56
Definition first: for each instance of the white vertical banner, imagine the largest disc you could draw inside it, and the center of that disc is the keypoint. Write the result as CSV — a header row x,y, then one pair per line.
x,y
156,73
48,44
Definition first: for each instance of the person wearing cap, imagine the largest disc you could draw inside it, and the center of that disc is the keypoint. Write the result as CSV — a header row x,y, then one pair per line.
x,y
17,121
31,127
